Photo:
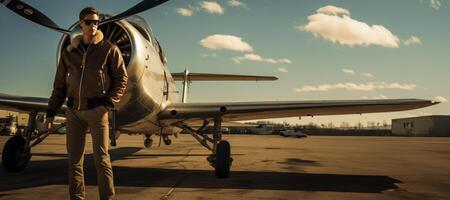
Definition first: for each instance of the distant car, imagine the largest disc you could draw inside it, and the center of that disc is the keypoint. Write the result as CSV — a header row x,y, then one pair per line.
x,y
293,133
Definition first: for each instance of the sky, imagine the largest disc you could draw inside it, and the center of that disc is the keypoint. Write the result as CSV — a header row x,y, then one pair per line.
x,y
319,50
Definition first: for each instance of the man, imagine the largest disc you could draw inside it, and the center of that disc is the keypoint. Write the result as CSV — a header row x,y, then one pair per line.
x,y
92,75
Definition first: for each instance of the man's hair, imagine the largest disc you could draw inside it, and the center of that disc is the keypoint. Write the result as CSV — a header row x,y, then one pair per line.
x,y
88,11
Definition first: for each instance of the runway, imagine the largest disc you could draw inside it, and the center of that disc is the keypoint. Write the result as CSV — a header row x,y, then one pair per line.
x,y
264,167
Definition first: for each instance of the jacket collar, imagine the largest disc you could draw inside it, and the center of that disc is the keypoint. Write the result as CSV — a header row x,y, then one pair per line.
x,y
98,37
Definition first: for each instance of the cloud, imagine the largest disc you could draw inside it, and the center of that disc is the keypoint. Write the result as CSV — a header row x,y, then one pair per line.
x,y
258,58
185,12
353,72
381,96
412,40
436,4
235,3
440,99
212,7
284,60
229,42
333,10
348,71
282,69
344,30
208,55
356,87
368,75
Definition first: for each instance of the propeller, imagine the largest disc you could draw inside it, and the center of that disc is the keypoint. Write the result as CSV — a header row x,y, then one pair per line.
x,y
142,6
35,16
32,14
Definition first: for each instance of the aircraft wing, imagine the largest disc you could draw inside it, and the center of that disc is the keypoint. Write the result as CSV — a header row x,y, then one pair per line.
x,y
195,113
25,104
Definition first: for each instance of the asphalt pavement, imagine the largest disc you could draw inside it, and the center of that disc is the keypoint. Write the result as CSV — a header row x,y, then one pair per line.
x,y
264,167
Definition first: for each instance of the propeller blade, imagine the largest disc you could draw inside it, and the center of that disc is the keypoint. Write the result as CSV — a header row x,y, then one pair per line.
x,y
31,14
142,6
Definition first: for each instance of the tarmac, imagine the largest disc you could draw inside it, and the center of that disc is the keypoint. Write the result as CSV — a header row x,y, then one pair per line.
x,y
264,167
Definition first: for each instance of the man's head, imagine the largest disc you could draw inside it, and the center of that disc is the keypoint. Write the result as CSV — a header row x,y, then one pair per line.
x,y
89,21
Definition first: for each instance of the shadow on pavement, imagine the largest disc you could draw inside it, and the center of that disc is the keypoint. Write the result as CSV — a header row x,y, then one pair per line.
x,y
54,172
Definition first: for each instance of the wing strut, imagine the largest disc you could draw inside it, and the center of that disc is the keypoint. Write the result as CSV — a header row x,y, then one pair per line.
x,y
186,83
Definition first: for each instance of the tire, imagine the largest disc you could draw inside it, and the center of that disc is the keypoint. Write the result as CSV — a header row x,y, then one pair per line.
x,y
167,141
223,159
148,143
13,157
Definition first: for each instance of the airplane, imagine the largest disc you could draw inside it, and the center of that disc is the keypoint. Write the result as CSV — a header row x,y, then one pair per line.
x,y
151,104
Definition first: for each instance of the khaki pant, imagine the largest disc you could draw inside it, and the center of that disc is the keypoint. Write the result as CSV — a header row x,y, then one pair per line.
x,y
78,121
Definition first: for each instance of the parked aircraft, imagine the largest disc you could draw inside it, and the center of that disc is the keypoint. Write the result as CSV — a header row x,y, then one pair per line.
x,y
151,103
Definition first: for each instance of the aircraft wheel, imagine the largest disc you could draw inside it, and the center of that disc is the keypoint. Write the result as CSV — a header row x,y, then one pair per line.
x,y
14,159
167,141
223,159
148,142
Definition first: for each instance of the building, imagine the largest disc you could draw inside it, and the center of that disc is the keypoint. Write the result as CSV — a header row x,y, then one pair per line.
x,y
8,125
435,125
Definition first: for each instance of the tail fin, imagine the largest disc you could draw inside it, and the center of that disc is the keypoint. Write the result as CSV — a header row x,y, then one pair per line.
x,y
220,77
187,77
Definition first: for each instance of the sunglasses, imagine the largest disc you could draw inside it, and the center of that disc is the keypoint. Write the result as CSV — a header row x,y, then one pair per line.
x,y
88,22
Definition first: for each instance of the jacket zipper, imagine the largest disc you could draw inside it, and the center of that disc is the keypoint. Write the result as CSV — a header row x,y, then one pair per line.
x,y
83,65
102,76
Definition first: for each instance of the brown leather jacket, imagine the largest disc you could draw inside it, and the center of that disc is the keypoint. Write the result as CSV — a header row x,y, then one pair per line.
x,y
88,77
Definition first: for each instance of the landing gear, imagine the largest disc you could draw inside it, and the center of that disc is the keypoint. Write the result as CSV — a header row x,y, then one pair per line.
x,y
148,141
167,141
220,158
17,150
15,155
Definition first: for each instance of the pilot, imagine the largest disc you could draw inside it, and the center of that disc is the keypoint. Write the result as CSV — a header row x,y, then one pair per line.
x,y
92,75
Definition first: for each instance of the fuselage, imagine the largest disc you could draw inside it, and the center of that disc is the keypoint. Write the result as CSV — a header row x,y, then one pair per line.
x,y
150,86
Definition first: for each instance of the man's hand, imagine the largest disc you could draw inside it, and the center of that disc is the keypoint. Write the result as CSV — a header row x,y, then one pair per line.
x,y
48,124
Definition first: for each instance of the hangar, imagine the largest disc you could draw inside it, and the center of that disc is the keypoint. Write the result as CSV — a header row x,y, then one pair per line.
x,y
434,125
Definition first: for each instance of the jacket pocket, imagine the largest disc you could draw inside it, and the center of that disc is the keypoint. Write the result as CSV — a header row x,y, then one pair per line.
x,y
93,83
69,79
